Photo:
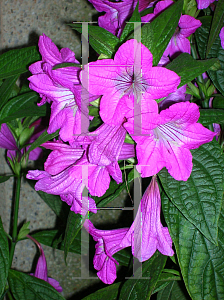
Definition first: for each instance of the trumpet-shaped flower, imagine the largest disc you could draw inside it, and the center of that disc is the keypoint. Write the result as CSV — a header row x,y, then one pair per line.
x,y
108,243
204,3
186,26
164,139
50,54
126,79
146,233
41,268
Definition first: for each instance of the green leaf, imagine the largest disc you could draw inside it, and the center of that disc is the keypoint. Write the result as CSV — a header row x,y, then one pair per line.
x,y
164,280
141,288
16,62
218,101
43,138
173,291
5,178
129,27
22,106
157,34
100,39
217,24
217,51
23,231
74,224
188,68
6,89
50,238
201,262
4,258
199,199
93,111
123,256
26,287
60,208
109,293
210,116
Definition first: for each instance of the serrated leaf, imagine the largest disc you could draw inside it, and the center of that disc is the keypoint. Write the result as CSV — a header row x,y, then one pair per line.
x,y
129,27
141,288
26,287
157,34
22,106
6,89
16,62
100,39
210,116
43,138
173,291
199,199
217,51
217,24
201,262
60,208
4,258
109,293
188,68
74,224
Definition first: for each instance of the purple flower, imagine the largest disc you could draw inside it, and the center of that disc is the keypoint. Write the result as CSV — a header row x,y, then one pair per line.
x,y
126,79
41,268
204,3
221,35
164,140
146,233
108,243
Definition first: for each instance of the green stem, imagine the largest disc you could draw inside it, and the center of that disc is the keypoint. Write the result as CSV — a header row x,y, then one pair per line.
x,y
15,220
9,295
199,77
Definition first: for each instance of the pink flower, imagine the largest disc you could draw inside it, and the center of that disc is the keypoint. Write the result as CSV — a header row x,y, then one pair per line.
x,y
164,140
117,13
41,268
186,26
204,3
126,79
221,35
50,54
108,243
62,87
146,233
179,42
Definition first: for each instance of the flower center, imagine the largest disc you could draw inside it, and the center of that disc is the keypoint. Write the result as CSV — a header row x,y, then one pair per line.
x,y
131,83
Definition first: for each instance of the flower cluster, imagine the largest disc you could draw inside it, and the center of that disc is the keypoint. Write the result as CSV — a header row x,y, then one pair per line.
x,y
128,86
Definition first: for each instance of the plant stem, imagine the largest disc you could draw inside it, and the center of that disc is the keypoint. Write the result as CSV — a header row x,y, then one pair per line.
x,y
9,295
15,220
